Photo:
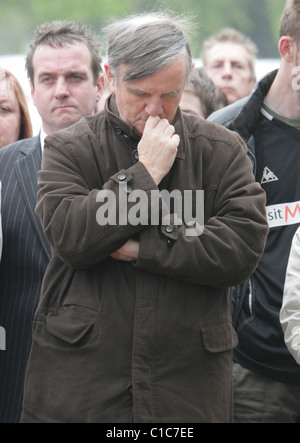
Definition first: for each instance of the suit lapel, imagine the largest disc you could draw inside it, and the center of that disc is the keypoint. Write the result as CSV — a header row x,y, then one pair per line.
x,y
27,168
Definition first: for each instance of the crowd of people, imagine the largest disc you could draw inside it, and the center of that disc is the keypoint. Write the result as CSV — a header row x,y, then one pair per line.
x,y
110,317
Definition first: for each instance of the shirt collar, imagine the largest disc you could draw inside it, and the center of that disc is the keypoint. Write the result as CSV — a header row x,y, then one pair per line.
x,y
43,135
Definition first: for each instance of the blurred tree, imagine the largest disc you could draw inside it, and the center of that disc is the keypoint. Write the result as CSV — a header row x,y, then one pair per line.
x,y
18,19
257,18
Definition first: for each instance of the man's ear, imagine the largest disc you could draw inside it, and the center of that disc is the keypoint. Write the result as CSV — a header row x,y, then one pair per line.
x,y
287,48
110,78
100,87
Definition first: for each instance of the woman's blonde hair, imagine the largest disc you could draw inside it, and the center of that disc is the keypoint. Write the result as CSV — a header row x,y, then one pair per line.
x,y
13,83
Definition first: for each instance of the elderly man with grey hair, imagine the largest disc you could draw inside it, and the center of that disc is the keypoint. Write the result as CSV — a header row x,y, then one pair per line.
x,y
152,214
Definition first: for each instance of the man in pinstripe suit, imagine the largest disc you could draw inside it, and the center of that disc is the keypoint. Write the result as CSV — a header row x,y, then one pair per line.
x,y
64,68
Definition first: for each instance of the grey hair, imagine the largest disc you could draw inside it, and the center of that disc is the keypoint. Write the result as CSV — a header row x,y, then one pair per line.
x,y
147,43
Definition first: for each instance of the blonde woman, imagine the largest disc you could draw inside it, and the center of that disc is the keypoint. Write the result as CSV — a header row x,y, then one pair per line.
x,y
15,123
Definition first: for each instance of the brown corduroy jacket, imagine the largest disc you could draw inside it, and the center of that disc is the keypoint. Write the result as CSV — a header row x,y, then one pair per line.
x,y
149,341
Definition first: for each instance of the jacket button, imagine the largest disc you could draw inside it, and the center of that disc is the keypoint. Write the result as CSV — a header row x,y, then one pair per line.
x,y
169,229
118,131
128,189
135,155
122,177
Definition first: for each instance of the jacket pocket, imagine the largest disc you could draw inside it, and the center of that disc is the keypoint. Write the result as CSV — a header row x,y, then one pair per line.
x,y
71,323
219,338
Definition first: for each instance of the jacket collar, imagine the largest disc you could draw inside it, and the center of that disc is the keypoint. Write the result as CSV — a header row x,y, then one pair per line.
x,y
30,146
247,119
26,170
121,127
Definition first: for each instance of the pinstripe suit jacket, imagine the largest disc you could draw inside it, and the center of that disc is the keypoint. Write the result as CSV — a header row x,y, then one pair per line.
x,y
25,256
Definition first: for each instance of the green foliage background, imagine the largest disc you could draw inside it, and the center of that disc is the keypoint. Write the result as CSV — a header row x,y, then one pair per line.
x,y
257,18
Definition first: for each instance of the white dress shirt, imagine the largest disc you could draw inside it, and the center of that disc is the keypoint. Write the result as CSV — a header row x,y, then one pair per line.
x,y
43,135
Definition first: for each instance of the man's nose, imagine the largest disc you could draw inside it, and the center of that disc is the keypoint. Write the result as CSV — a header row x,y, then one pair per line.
x,y
227,69
154,108
61,89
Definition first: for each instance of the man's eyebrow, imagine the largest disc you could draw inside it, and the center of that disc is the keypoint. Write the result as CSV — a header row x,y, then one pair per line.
x,y
173,93
139,92
77,72
217,60
44,74
66,74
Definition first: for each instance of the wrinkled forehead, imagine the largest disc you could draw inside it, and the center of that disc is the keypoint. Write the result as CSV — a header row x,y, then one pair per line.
x,y
228,51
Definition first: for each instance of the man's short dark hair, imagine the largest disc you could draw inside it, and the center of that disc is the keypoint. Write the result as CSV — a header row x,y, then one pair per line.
x,y
63,33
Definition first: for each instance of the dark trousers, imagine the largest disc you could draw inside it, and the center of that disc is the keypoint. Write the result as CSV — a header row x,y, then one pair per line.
x,y
261,400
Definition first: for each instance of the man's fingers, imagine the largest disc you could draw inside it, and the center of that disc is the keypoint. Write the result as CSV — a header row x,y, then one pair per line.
x,y
176,139
170,130
152,122
160,124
